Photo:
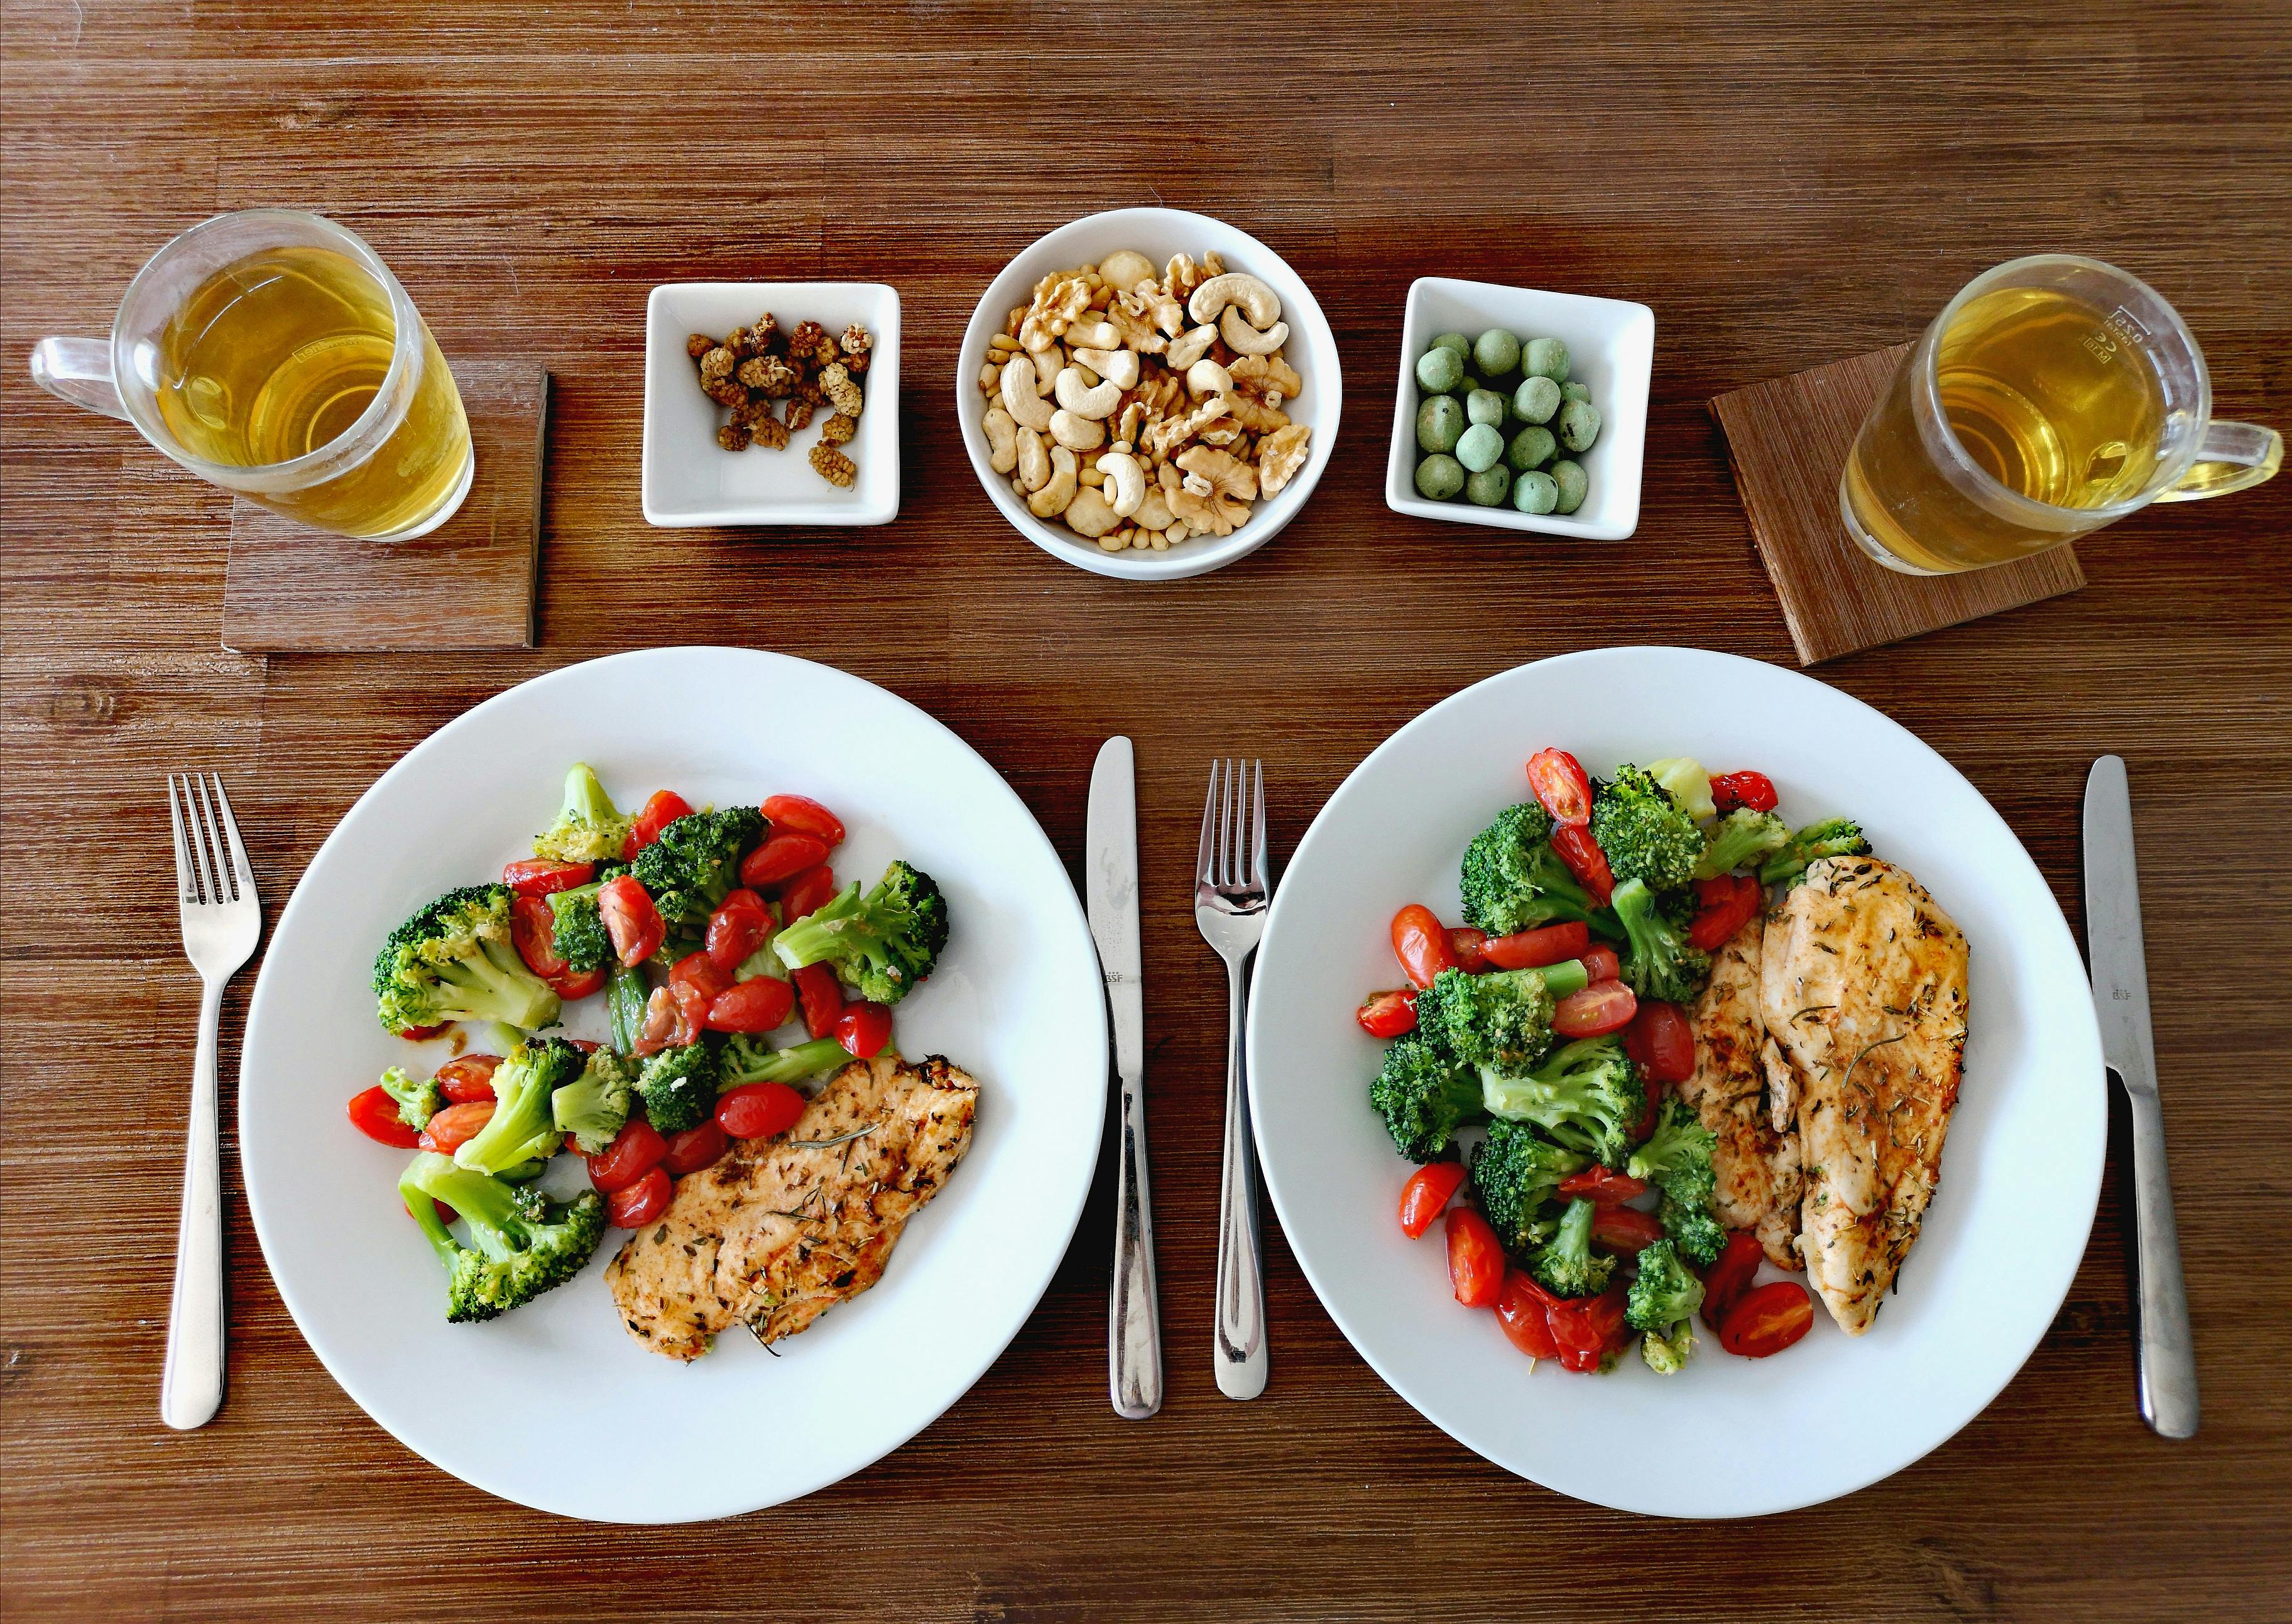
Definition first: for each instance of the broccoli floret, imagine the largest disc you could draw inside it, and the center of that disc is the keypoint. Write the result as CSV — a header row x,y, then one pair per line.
x,y
579,937
418,1103
747,1060
1424,1096
883,944
1586,1097
521,1243
1688,784
454,961
589,828
1643,831
695,862
1742,840
1657,962
1677,1157
1665,1290
522,1125
1830,838
1566,1265
1698,1235
594,1106
1501,1019
1514,1173
1512,879
678,1086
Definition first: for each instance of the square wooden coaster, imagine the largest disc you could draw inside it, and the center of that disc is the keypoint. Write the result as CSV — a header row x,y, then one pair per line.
x,y
1788,438
467,585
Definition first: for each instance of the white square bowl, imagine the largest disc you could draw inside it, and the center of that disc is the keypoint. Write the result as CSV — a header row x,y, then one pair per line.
x,y
1611,351
689,480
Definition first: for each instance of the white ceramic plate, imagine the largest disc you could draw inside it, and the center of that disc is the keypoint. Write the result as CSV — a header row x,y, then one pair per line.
x,y
2021,1171
554,1405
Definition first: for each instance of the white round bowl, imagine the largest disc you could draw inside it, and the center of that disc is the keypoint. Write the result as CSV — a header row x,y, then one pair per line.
x,y
1158,233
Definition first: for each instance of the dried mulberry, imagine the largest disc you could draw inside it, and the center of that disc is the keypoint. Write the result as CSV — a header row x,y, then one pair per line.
x,y
837,469
808,392
856,340
799,415
733,437
751,372
772,434
724,391
806,338
698,346
751,411
837,430
717,365
857,364
836,383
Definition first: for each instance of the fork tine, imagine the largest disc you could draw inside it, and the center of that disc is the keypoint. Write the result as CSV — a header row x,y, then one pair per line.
x,y
1205,859
1233,805
242,872
207,891
211,847
186,882
1259,879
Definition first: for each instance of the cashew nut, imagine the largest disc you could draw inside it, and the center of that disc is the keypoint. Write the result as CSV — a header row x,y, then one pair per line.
x,y
1022,394
1119,367
1052,499
1128,477
1256,300
1078,432
1247,340
1002,440
1125,268
1084,401
1033,463
1188,348
1093,335
1089,515
1207,377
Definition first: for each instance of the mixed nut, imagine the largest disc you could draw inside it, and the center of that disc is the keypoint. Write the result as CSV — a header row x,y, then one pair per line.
x,y
757,371
1144,409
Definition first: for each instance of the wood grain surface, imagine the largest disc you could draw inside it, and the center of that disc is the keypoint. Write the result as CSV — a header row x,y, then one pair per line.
x,y
1783,187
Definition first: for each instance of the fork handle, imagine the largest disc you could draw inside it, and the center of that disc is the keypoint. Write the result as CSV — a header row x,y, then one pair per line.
x,y
190,1387
1241,1351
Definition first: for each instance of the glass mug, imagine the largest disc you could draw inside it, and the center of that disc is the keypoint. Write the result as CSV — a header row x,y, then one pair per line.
x,y
2054,395
272,354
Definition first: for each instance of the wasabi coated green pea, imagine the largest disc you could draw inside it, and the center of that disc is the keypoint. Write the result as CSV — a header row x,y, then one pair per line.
x,y
1546,358
1457,342
1486,489
1536,400
1485,406
1439,370
1467,383
1496,351
1576,392
1531,448
1438,421
1578,424
1572,483
1440,477
1535,493
1479,446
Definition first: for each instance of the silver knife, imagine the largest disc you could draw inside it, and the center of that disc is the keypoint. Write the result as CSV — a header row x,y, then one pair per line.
x,y
1133,1325
2120,997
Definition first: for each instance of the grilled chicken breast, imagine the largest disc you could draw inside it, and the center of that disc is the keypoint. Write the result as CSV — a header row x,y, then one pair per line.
x,y
1756,1156
781,1229
1863,994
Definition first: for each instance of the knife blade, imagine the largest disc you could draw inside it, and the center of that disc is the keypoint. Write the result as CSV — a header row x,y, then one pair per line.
x,y
1110,893
2120,995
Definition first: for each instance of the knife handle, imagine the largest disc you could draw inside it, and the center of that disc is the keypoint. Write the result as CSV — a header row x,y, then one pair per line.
x,y
2168,1358
1134,1321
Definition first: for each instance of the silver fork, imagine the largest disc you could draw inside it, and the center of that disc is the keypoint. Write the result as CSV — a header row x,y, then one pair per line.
x,y
1231,890
222,922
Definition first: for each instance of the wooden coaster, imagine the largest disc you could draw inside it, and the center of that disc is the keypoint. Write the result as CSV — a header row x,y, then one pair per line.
x,y
1788,438
467,585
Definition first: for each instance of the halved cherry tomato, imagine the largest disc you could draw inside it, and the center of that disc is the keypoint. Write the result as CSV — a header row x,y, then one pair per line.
x,y
1388,1014
422,1034
664,808
806,894
1476,1259
802,815
1600,1008
1650,1109
375,1114
640,1203
1588,1326
1468,948
1660,1042
758,1006
700,972
695,1148
758,1111
1420,944
738,928
667,1023
469,1077
574,985
1728,904
1600,963
1625,1229
1602,1186
587,1046
533,928
821,996
446,1214
634,1151
1547,944
1727,1279
1426,1195
537,877
782,857
631,919
1755,791
1527,1322
1766,1319
1586,861
863,1028
1558,781
455,1126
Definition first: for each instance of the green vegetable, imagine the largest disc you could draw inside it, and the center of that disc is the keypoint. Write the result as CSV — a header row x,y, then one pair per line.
x,y
1586,1097
1577,424
1566,1265
1534,492
747,1060
1513,878
578,935
594,1106
678,1086
589,828
1536,400
696,860
1830,838
1514,1173
1531,448
1485,406
1502,1018
625,1005
418,1103
1480,447
1688,784
1440,477
1693,1230
454,961
1438,421
1488,487
1496,351
1644,832
1439,370
521,1245
1573,485
883,944
1740,840
1545,357
523,1126
1657,962
1677,1157
1662,1302
1424,1096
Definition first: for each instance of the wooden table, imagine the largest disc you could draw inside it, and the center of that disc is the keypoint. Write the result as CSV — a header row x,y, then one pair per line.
x,y
1780,197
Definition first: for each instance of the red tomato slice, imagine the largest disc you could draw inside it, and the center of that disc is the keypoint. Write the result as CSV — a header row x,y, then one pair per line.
x,y
1600,963
1727,1279
1558,781
664,808
1588,1326
758,1006
758,1111
1652,1112
533,928
1476,1259
642,1202
1755,791
469,1077
822,997
782,857
1584,860
1388,1014
1625,1229
1469,948
420,1034
863,1028
635,1149
1729,903
455,1126
802,815
1420,944
1527,1322
700,973
537,877
695,1148
806,894
1549,944
1660,1042
1601,1185
1600,1008
574,985
1766,1319
665,1025
738,928
1426,1195
631,920
375,1114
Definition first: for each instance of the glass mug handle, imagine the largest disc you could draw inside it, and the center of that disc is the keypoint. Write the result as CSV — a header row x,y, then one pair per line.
x,y
2234,457
79,370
